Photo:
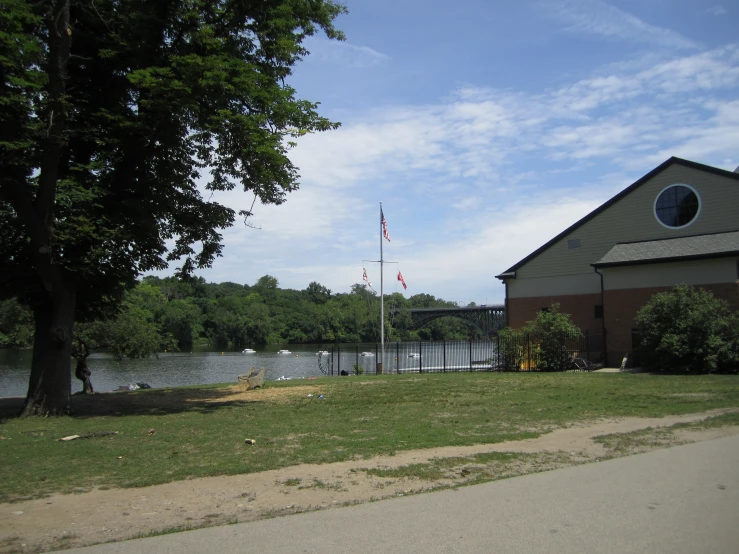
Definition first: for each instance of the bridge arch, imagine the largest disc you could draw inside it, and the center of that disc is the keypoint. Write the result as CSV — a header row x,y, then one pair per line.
x,y
489,319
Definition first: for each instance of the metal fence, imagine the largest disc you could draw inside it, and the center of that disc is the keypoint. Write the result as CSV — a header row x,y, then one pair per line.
x,y
521,353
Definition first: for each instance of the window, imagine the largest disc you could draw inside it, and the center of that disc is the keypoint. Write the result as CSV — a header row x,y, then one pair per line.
x,y
677,206
573,243
599,311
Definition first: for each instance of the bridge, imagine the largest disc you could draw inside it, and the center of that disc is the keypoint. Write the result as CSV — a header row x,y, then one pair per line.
x,y
489,319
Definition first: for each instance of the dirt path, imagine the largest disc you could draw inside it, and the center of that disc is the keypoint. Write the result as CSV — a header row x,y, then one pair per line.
x,y
66,521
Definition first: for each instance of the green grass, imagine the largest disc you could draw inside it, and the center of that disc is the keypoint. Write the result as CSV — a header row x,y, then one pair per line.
x,y
360,417
619,444
470,469
712,422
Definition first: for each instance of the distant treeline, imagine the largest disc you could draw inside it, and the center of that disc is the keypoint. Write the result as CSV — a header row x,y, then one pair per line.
x,y
179,313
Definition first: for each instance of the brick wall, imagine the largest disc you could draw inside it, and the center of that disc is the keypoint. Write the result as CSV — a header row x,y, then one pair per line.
x,y
621,307
580,306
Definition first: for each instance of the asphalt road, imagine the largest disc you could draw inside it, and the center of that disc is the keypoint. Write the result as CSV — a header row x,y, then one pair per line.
x,y
680,500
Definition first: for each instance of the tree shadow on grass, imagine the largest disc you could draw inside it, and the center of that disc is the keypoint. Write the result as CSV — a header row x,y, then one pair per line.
x,y
159,401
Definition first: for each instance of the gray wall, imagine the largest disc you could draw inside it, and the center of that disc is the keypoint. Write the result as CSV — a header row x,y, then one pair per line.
x,y
630,219
698,272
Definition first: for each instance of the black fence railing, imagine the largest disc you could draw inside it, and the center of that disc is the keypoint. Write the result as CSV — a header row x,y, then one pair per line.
x,y
519,353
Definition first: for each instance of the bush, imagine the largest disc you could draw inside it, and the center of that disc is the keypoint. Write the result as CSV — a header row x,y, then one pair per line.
x,y
688,329
510,349
540,344
550,330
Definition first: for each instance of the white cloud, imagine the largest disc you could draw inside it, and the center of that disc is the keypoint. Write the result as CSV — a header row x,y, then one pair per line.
x,y
476,181
595,17
344,53
716,10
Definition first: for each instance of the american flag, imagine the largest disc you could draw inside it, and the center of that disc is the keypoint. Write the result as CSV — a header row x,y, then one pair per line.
x,y
384,226
400,278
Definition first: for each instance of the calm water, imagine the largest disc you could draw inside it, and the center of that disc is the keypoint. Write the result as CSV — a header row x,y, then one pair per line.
x,y
204,365
201,366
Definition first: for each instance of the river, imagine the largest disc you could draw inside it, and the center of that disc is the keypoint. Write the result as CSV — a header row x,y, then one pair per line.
x,y
201,366
205,365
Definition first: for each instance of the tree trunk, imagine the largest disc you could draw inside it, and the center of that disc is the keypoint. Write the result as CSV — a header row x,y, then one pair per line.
x,y
50,385
82,372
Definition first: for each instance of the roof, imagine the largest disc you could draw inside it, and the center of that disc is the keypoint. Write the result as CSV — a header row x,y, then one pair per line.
x,y
714,245
510,272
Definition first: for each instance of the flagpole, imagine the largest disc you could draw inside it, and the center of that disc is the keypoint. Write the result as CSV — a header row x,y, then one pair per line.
x,y
382,299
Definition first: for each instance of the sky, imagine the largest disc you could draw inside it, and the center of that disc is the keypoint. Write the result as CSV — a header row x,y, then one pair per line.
x,y
485,128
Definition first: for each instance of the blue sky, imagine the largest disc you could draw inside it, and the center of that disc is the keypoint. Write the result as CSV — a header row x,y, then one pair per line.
x,y
485,128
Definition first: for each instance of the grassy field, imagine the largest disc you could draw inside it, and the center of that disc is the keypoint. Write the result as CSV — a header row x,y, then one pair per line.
x,y
174,434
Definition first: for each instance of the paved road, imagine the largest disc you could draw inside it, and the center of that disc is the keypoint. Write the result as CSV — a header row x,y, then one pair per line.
x,y
681,500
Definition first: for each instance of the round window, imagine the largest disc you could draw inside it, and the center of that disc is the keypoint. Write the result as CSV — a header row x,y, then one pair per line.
x,y
677,206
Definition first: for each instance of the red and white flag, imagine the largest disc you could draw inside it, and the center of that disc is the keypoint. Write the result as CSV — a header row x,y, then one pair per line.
x,y
365,278
384,226
400,278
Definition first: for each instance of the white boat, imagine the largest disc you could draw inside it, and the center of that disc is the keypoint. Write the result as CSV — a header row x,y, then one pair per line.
x,y
283,378
414,355
322,353
248,351
284,352
367,354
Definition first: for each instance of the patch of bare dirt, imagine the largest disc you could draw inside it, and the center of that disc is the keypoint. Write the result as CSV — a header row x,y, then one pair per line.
x,y
235,394
66,521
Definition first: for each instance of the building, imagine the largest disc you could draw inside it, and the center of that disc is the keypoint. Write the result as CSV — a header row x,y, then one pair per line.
x,y
677,224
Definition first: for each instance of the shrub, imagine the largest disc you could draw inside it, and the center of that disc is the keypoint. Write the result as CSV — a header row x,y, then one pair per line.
x,y
510,349
550,330
688,329
540,344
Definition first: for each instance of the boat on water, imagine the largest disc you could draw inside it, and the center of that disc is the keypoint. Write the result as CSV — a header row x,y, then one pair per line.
x,y
367,354
284,352
322,353
248,351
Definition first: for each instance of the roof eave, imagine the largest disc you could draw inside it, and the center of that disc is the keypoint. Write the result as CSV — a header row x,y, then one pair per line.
x,y
708,256
506,275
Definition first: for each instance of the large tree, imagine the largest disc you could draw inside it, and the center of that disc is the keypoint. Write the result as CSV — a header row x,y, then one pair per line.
x,y
115,117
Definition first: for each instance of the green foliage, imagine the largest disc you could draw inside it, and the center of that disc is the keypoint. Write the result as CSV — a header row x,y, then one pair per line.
x,y
189,86
230,314
134,335
181,319
688,329
118,120
93,335
317,293
16,325
511,349
540,344
551,329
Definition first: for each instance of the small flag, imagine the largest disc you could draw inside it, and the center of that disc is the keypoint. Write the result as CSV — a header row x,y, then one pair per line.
x,y
365,278
384,226
400,278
